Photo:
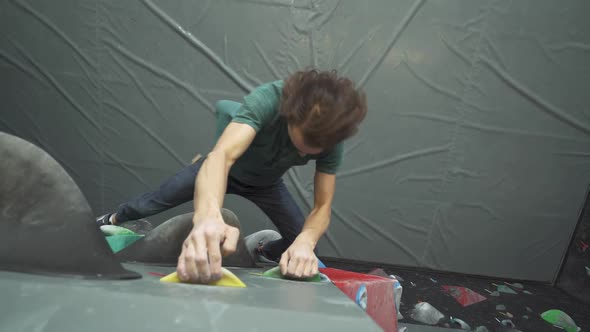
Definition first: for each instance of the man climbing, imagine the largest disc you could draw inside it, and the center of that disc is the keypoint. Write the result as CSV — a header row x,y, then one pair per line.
x,y
279,125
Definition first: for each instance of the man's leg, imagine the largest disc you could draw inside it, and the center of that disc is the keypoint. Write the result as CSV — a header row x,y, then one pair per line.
x,y
278,204
174,191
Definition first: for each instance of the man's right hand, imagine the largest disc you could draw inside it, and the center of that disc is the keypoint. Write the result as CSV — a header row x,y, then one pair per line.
x,y
202,251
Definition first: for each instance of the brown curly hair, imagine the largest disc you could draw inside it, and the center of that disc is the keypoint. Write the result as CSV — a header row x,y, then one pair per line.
x,y
327,108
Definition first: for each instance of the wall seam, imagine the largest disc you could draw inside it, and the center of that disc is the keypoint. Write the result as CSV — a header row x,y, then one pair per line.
x,y
100,106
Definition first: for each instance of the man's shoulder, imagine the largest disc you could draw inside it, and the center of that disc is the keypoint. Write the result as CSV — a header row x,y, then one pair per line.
x,y
265,97
261,105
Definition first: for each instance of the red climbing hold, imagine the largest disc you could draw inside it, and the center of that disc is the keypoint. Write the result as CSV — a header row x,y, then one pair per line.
x,y
372,293
464,296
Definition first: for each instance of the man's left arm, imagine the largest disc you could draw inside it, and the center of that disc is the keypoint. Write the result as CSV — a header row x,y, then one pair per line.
x,y
299,260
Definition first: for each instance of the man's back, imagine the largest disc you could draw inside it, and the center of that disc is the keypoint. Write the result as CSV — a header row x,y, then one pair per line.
x,y
271,153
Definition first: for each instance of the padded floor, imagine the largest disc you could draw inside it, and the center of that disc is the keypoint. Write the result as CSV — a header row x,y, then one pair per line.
x,y
54,304
425,286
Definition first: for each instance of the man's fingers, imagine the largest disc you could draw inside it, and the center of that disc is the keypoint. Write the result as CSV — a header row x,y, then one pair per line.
x,y
214,255
230,243
190,269
294,262
314,267
181,268
284,263
308,269
199,259
300,269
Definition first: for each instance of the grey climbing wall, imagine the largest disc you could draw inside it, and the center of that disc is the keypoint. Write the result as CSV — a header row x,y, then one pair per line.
x,y
474,158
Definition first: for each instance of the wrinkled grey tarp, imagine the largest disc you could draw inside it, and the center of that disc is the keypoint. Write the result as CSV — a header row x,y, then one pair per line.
x,y
474,158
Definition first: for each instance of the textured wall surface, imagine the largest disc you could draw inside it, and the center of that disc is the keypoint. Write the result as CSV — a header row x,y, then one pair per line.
x,y
474,158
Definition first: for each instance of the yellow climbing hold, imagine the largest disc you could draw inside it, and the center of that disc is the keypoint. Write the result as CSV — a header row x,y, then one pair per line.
x,y
228,279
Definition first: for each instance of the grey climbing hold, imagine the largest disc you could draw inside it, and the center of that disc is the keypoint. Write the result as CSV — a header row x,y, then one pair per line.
x,y
525,317
461,323
500,307
424,312
527,292
393,276
507,314
516,285
481,329
507,323
528,309
587,270
494,293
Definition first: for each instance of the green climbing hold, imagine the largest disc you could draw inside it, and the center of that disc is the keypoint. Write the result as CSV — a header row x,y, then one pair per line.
x,y
118,237
120,242
275,272
560,319
109,230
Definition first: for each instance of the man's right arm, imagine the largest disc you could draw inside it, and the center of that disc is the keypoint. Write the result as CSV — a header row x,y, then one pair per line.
x,y
200,260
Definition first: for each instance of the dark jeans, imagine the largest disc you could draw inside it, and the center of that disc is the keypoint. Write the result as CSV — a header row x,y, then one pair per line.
x,y
275,201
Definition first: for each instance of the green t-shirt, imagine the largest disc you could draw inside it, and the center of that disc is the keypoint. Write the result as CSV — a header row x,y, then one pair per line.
x,y
271,153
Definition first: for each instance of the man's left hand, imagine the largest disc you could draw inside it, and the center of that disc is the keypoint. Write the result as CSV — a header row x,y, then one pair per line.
x,y
299,261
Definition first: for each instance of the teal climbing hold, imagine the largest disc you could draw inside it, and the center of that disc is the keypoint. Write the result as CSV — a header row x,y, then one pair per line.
x,y
118,237
505,289
120,242
109,230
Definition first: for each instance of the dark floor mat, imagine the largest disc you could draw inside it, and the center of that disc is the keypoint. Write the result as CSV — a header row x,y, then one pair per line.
x,y
426,286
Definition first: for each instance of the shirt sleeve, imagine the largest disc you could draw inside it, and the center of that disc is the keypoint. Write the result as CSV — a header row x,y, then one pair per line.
x,y
261,106
330,161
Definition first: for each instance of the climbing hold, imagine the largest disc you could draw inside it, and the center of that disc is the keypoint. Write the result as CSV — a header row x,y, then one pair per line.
x,y
115,230
481,329
515,285
507,323
587,270
379,273
528,309
527,292
507,314
275,272
433,280
525,317
228,279
462,324
424,312
560,319
505,289
397,297
500,307
463,295
393,276
380,294
361,297
494,293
